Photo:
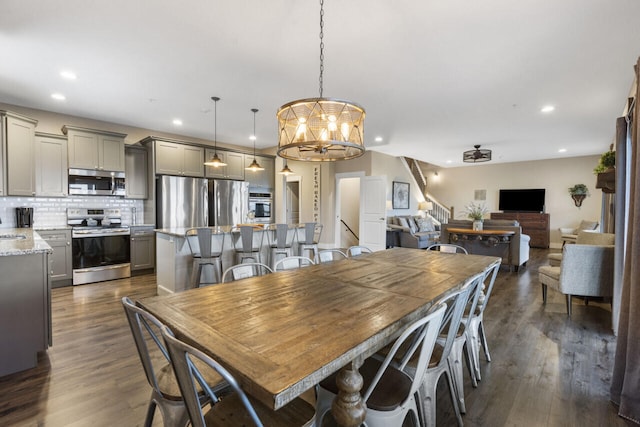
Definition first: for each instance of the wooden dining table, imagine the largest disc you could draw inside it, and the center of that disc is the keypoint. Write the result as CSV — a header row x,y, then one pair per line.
x,y
282,333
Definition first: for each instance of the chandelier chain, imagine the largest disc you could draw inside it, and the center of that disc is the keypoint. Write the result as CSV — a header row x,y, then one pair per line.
x,y
321,44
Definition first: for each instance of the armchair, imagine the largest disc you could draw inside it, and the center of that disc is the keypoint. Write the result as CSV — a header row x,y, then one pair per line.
x,y
584,238
585,270
570,235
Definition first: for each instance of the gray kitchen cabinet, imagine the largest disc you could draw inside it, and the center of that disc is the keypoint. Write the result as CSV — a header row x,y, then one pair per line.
x,y
179,159
143,247
264,179
234,168
51,165
135,170
18,133
61,271
95,149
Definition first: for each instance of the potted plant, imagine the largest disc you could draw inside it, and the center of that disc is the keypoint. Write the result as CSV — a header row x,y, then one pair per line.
x,y
578,193
476,213
607,162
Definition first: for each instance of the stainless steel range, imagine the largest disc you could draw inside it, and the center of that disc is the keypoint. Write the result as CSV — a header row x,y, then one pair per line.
x,y
100,245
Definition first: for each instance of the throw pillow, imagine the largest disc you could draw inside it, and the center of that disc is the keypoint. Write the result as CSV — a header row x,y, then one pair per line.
x,y
412,225
425,224
403,222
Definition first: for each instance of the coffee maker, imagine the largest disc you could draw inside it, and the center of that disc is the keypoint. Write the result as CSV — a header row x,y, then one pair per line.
x,y
24,217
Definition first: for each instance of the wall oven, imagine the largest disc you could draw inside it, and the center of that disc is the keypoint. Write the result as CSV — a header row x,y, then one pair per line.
x,y
100,245
260,205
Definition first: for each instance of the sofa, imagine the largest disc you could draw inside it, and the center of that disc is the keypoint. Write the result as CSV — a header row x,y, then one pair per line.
x,y
415,231
519,242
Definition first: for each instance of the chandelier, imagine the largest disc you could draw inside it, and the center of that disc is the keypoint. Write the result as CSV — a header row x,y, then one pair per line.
x,y
215,160
321,129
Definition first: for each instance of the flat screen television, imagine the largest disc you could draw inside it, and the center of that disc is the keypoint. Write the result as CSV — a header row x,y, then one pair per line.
x,y
522,200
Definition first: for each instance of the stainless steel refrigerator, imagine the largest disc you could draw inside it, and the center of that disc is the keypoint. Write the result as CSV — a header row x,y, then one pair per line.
x,y
228,202
181,202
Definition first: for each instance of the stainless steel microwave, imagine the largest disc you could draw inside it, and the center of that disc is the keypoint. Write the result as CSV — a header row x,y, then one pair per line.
x,y
96,183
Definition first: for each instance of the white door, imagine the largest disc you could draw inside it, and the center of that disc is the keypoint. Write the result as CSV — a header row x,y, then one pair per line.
x,y
373,212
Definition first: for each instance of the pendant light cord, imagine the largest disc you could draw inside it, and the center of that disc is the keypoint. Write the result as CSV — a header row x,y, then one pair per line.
x,y
215,124
321,44
255,110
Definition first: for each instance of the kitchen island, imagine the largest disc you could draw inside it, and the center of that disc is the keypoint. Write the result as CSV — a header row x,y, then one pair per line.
x,y
174,262
25,299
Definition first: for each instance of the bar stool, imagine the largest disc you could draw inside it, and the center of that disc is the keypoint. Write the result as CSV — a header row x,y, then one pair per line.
x,y
206,248
308,242
247,243
280,241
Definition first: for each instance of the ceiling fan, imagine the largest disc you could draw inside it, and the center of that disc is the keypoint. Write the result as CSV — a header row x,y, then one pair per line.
x,y
477,155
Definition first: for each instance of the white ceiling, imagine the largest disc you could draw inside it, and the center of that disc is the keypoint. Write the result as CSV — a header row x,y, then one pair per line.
x,y
435,76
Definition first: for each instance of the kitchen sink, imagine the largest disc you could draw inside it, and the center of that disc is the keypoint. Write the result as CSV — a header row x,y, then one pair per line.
x,y
12,237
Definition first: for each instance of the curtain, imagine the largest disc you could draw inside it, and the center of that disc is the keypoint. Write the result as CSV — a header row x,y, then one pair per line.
x,y
625,382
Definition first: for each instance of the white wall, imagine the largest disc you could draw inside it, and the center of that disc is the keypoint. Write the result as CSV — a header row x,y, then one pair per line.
x,y
455,187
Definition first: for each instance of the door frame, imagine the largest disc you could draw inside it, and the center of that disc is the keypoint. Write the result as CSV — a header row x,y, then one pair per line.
x,y
336,219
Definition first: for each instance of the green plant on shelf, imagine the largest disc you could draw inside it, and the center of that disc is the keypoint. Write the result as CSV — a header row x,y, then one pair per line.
x,y
607,162
579,189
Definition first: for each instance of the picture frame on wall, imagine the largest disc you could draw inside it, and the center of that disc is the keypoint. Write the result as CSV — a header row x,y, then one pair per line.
x,y
400,196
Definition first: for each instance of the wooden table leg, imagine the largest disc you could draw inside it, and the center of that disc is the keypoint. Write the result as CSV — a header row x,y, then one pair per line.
x,y
347,408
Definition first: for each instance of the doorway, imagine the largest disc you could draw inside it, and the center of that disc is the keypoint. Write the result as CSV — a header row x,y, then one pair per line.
x,y
292,200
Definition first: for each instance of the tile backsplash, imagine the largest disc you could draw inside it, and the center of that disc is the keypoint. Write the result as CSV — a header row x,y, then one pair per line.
x,y
52,212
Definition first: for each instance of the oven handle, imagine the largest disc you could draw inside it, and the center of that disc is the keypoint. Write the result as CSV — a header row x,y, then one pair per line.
x,y
108,267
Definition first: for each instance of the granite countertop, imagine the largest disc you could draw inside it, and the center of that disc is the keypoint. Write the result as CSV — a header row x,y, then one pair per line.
x,y
32,243
52,227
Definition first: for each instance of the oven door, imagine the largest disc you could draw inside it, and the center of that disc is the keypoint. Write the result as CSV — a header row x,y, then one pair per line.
x,y
261,209
98,258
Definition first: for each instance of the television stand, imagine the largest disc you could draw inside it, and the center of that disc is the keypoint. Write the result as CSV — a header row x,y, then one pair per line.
x,y
534,224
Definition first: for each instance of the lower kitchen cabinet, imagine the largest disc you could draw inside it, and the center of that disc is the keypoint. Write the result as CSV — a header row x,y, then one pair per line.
x,y
143,247
61,266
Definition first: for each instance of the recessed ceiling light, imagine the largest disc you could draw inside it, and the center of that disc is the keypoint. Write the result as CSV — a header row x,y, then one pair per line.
x,y
547,109
449,161
378,139
252,138
69,75
58,96
177,122
562,150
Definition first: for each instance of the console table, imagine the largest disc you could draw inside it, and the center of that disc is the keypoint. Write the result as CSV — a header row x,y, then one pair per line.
x,y
489,238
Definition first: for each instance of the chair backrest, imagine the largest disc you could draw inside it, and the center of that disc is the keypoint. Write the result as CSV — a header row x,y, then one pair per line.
x,y
205,242
182,359
310,234
358,250
244,270
423,335
587,270
327,255
146,329
488,281
448,248
292,262
593,238
281,236
248,240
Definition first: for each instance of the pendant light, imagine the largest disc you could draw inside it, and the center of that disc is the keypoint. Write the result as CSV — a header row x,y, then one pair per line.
x,y
215,160
321,129
254,166
285,170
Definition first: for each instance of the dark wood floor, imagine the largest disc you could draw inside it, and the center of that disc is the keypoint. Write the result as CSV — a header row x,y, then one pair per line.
x,y
547,370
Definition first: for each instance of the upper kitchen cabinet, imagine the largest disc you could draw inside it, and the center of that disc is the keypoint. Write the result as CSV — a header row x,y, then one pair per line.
x,y
179,159
234,168
135,162
18,139
262,179
51,165
95,149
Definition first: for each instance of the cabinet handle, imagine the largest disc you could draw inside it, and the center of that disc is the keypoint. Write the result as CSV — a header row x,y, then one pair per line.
x,y
68,243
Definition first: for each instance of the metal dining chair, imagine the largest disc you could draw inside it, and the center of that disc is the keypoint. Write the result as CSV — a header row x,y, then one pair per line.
x,y
165,393
448,248
327,255
308,238
389,392
244,270
236,409
292,262
206,247
358,250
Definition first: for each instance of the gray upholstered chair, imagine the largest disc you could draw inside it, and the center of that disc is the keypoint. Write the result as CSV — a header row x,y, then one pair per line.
x,y
569,235
585,270
584,238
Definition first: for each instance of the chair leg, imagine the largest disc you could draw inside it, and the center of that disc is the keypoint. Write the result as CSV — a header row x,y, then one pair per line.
x,y
485,346
452,393
568,305
544,294
151,410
